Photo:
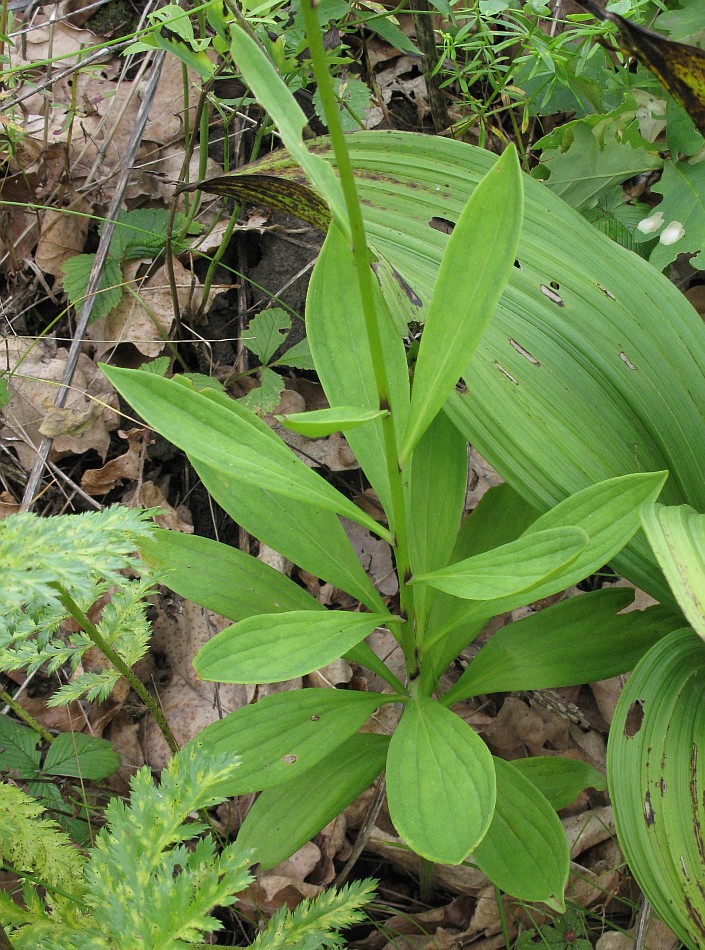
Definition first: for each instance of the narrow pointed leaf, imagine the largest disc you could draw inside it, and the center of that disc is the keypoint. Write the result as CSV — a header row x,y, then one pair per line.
x,y
510,568
677,537
525,851
577,641
475,267
656,780
560,780
336,332
322,422
270,648
282,735
229,441
222,578
309,536
440,782
286,816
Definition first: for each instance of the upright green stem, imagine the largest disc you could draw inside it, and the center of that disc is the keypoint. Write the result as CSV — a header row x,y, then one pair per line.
x,y
426,868
92,631
365,282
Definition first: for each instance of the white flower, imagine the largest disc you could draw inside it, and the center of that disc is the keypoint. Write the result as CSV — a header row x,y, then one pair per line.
x,y
649,225
672,232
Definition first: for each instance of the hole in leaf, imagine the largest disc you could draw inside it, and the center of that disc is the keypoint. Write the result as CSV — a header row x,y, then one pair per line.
x,y
554,285
517,264
289,759
442,224
635,717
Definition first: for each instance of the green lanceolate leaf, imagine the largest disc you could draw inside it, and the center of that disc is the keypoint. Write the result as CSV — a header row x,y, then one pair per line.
x,y
677,537
230,441
577,641
309,536
436,495
335,328
475,267
222,578
525,851
364,655
269,648
282,735
440,782
322,422
278,101
287,816
510,568
656,780
560,780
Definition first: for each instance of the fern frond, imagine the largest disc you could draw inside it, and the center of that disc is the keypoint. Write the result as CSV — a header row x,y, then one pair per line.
x,y
314,924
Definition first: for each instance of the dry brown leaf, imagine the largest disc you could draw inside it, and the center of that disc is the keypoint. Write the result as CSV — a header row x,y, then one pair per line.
x,y
8,504
149,495
61,236
143,319
86,421
127,467
375,555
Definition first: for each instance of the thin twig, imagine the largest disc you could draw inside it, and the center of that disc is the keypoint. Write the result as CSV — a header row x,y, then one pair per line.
x,y
96,273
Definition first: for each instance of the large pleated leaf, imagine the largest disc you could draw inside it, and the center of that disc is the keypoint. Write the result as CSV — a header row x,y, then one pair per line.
x,y
230,440
655,771
525,851
577,641
440,782
221,578
475,267
677,537
282,735
286,816
270,648
593,364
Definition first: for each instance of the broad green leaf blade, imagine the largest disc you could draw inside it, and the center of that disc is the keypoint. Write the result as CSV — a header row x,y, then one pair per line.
x,y
287,816
475,267
677,537
656,780
560,780
311,537
18,748
577,641
525,851
322,422
608,512
437,478
229,441
440,782
270,648
80,756
282,735
510,568
278,101
336,332
230,582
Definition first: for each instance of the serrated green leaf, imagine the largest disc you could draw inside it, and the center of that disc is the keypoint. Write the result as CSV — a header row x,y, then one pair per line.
x,y
159,366
270,648
440,782
142,233
77,270
322,422
265,397
81,756
511,568
525,850
560,780
282,735
287,816
682,186
298,356
222,578
18,748
475,267
656,780
353,97
577,641
230,441
266,333
677,537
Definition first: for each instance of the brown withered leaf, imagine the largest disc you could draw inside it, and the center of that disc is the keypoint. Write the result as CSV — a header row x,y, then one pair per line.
x,y
678,67
61,236
127,467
